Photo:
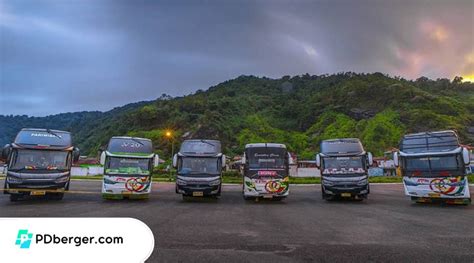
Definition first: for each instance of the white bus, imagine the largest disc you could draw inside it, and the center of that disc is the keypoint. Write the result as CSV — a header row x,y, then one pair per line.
x,y
266,171
434,166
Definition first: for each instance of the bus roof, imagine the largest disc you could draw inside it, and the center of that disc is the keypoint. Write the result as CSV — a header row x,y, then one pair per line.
x,y
265,144
130,146
343,146
200,147
31,137
430,142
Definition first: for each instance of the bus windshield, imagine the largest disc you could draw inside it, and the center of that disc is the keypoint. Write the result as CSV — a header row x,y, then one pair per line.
x,y
353,164
199,166
130,166
39,160
433,163
267,158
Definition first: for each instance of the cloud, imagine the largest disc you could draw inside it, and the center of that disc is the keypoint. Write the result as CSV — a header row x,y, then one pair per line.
x,y
59,56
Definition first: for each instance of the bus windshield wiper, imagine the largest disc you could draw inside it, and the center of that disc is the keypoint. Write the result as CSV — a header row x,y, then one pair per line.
x,y
137,141
206,142
53,133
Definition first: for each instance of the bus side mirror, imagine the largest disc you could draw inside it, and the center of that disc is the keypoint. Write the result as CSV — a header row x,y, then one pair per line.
x,y
102,158
290,159
243,160
465,156
156,160
7,149
370,158
175,161
395,159
318,160
76,153
223,160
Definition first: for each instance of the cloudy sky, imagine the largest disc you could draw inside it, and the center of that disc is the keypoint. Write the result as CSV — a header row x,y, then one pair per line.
x,y
62,56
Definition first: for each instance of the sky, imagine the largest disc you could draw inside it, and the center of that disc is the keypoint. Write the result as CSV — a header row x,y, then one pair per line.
x,y
78,55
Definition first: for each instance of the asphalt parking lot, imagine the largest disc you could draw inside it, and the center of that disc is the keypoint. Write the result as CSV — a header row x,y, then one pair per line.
x,y
302,228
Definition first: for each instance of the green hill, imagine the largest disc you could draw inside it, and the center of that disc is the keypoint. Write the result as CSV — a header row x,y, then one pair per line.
x,y
299,111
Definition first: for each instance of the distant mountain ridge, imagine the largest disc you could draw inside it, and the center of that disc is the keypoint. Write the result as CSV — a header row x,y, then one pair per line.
x,y
299,111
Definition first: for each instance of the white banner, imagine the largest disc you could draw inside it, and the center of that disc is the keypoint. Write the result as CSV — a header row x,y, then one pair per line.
x,y
75,240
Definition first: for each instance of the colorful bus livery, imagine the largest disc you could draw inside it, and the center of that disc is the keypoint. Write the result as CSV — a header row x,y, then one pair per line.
x,y
39,163
128,166
266,171
434,166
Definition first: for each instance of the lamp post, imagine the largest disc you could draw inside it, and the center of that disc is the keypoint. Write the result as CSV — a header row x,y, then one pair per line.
x,y
169,134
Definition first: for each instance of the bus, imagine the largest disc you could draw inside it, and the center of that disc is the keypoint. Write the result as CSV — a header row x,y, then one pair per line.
x,y
344,166
128,167
199,165
434,166
266,171
39,164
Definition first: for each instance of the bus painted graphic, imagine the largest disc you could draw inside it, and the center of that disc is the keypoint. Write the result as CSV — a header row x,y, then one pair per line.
x,y
443,186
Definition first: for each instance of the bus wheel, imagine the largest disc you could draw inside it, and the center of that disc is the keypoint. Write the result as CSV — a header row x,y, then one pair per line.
x,y
186,197
15,197
324,195
5,187
248,198
56,196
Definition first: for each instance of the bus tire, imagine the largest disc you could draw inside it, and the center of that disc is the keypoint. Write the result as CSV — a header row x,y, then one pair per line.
x,y
248,198
56,196
67,185
5,187
324,195
15,197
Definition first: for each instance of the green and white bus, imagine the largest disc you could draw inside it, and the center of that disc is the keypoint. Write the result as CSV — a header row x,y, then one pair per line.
x,y
128,166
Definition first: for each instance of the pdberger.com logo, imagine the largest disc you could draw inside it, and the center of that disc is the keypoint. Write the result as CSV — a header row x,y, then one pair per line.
x,y
23,238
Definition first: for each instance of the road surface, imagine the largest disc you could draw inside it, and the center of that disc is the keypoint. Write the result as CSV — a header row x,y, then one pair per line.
x,y
302,228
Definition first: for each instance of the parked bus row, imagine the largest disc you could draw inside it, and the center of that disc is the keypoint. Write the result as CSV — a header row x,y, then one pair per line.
x,y
434,166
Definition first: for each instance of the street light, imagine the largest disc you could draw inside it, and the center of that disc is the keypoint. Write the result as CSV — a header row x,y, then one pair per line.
x,y
169,134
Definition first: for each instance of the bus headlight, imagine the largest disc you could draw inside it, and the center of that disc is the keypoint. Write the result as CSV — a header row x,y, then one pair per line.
x,y
328,183
14,180
181,182
363,182
62,179
215,182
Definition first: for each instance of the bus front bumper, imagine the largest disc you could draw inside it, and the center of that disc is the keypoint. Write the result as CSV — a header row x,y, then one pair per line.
x,y
19,185
198,186
346,189
198,189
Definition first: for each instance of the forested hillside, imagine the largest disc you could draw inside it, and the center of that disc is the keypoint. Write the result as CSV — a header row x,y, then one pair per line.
x,y
299,111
